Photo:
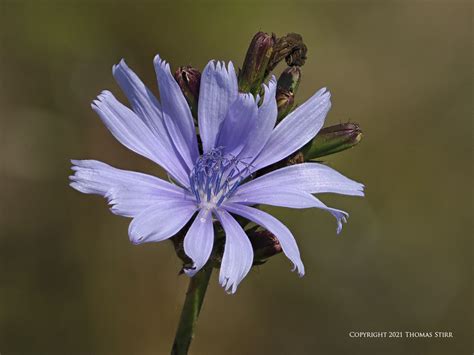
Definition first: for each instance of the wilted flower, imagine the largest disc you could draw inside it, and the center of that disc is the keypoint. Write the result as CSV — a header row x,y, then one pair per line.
x,y
238,139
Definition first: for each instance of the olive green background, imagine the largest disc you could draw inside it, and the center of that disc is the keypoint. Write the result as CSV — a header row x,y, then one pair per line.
x,y
70,281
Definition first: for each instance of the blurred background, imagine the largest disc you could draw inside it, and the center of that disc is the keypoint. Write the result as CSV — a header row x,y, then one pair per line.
x,y
70,281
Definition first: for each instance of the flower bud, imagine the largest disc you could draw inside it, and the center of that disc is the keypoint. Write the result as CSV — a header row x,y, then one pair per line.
x,y
189,80
254,69
333,139
264,245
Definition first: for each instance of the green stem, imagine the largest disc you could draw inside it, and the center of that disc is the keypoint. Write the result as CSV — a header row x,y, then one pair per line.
x,y
191,308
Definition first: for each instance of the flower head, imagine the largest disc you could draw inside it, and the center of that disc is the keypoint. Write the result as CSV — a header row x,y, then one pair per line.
x,y
215,181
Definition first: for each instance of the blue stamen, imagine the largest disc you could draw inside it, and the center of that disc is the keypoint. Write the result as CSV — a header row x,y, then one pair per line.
x,y
216,176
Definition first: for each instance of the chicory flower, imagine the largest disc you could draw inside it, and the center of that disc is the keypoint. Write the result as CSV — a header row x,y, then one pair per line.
x,y
215,181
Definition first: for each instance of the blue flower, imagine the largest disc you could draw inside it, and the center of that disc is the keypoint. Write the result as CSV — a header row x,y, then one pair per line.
x,y
238,136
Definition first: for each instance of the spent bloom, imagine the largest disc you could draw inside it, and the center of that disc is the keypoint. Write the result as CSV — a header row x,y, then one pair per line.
x,y
211,179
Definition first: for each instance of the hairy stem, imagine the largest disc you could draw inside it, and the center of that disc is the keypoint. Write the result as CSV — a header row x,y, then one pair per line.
x,y
190,312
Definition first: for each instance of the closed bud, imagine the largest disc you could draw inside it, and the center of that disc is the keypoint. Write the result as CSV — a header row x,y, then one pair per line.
x,y
189,80
254,69
264,245
333,139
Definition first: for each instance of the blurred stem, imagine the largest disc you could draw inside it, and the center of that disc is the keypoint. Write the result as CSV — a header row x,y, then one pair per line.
x,y
191,308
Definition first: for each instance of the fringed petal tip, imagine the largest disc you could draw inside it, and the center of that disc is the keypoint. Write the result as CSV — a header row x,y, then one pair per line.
x,y
272,82
323,92
323,97
80,180
355,189
299,268
230,286
162,67
112,201
218,65
82,164
98,103
249,101
342,218
269,88
158,61
121,65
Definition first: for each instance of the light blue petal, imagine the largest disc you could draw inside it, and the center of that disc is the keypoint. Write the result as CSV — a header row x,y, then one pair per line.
x,y
308,177
292,187
218,89
283,198
147,107
239,122
264,124
142,100
283,234
161,221
199,241
297,129
128,192
287,197
340,216
176,114
132,132
130,202
238,253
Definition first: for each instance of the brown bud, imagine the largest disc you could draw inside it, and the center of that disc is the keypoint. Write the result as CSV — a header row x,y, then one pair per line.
x,y
189,80
264,245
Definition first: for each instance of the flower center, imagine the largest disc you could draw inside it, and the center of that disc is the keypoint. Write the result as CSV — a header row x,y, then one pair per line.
x,y
215,177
